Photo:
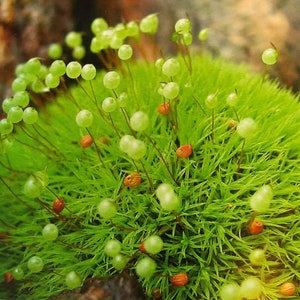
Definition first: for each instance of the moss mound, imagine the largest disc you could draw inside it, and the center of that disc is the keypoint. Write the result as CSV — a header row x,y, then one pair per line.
x,y
207,236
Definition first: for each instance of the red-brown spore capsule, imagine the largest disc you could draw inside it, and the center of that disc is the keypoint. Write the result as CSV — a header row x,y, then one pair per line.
x,y
164,108
180,279
86,141
132,180
256,227
184,151
58,205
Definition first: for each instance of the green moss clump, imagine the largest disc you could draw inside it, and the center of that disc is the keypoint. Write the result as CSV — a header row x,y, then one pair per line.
x,y
208,236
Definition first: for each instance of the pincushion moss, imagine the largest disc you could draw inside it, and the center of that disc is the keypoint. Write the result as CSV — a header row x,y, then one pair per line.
x,y
207,237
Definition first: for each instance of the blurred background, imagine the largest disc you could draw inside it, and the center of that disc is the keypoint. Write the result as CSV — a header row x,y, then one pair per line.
x,y
239,30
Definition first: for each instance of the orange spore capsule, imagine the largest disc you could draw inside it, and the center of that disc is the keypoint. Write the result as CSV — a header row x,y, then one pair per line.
x,y
256,227
8,277
142,248
287,289
86,141
132,180
180,279
58,205
184,151
164,108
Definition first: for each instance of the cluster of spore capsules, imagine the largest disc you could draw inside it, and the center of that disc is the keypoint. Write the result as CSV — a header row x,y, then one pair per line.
x,y
146,169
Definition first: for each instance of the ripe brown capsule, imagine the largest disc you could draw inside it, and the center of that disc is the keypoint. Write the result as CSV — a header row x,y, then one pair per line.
x,y
232,124
256,227
58,205
287,289
86,141
184,151
132,180
8,277
142,248
164,108
104,140
180,279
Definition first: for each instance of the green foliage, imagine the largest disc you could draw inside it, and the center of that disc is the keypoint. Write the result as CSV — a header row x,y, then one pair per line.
x,y
207,237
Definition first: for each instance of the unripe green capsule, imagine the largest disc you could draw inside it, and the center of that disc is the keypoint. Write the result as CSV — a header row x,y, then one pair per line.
x,y
203,35
109,104
139,121
171,90
246,128
78,52
52,81
260,201
119,261
232,99
35,264
6,126
18,273
126,142
15,114
73,39
125,52
211,101
107,208
111,80
183,26
55,51
257,257
153,244
58,68
30,115
73,280
112,248
73,69
84,118
137,149
230,291
21,99
171,67
145,267
50,232
98,25
251,288
149,24
33,187
88,72
269,56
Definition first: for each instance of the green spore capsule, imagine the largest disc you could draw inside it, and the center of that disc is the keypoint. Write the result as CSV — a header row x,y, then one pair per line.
x,y
58,68
50,232
30,115
84,118
107,208
269,56
145,267
35,264
111,80
73,39
18,273
139,121
55,51
88,72
73,280
125,52
149,24
73,69
15,114
183,26
6,126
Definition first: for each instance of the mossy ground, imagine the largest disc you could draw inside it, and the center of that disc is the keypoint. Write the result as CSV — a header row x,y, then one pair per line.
x,y
209,240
